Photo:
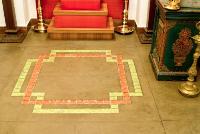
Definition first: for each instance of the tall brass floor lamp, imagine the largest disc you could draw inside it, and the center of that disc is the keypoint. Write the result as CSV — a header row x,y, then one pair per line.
x,y
125,28
40,27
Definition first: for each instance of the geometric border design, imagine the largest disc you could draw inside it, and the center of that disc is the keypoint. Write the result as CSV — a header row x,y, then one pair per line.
x,y
113,96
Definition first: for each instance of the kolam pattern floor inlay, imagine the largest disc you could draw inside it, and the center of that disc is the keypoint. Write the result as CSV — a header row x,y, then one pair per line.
x,y
38,98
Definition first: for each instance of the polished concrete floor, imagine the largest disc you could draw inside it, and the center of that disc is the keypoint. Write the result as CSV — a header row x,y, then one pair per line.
x,y
161,109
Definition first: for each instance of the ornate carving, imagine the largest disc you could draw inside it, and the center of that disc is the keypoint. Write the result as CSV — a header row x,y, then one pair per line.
x,y
182,46
160,41
163,29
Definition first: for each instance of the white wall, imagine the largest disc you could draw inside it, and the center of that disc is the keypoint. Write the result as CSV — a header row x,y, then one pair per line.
x,y
19,12
32,8
2,18
133,9
25,10
138,11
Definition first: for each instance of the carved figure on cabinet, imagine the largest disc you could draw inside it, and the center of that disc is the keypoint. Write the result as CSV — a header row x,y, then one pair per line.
x,y
182,46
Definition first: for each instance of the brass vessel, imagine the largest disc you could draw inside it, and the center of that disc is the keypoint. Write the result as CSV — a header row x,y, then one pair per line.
x,y
125,28
40,27
189,89
173,5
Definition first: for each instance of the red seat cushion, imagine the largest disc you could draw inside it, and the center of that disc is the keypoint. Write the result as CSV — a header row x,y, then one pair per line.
x,y
80,4
47,8
80,21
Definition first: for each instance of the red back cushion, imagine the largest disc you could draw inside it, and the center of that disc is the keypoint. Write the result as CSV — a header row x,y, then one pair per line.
x,y
47,8
115,8
81,4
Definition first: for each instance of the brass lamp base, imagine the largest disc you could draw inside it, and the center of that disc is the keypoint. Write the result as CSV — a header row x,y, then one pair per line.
x,y
172,7
189,89
124,29
40,28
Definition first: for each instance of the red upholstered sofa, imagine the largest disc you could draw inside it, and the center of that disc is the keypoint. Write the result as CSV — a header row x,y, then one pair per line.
x,y
115,8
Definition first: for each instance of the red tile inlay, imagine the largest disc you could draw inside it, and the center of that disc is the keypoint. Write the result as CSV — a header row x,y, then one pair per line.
x,y
122,76
33,79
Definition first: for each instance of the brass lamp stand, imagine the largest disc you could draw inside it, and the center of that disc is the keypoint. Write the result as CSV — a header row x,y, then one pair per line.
x,y
125,28
173,5
189,89
41,27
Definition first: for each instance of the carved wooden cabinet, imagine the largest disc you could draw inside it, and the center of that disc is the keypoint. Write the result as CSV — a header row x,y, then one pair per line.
x,y
172,48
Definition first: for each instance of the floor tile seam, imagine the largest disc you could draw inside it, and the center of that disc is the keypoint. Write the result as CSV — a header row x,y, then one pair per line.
x,y
189,119
3,88
85,122
114,122
158,111
74,47
9,45
67,75
75,129
12,72
156,105
55,45
46,74
7,83
4,76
